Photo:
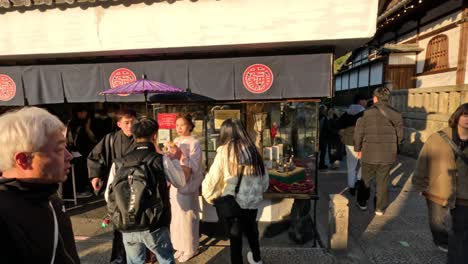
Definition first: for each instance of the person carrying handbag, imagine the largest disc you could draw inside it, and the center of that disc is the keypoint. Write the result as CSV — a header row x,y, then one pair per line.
x,y
237,177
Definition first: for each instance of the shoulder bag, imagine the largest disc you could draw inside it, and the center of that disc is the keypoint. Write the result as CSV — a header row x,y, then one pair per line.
x,y
393,125
226,206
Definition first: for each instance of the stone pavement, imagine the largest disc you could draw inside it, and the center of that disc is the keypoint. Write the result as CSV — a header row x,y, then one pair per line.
x,y
400,236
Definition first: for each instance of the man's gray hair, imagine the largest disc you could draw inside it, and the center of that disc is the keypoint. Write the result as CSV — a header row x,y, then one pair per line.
x,y
25,130
382,93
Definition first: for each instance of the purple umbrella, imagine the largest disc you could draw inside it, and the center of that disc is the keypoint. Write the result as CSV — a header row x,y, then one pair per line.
x,y
143,86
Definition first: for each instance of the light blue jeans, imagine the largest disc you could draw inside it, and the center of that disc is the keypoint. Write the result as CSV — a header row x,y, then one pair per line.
x,y
157,241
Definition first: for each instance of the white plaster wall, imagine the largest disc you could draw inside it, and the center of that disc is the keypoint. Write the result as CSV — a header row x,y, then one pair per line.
x,y
453,39
439,79
184,24
402,58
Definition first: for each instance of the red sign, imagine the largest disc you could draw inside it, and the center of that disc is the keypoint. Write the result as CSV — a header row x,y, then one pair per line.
x,y
257,78
7,88
120,77
167,121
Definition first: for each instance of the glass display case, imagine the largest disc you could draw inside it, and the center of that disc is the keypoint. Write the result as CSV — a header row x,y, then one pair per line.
x,y
285,133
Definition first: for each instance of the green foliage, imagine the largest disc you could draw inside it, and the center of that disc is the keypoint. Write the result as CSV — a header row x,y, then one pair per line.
x,y
338,63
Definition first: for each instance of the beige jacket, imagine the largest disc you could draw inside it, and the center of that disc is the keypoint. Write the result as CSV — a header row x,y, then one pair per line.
x,y
436,171
220,182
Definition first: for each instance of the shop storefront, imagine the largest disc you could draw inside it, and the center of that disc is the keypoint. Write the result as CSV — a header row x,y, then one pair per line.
x,y
276,97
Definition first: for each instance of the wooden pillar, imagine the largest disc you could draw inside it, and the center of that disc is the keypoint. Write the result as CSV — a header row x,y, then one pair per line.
x,y
463,47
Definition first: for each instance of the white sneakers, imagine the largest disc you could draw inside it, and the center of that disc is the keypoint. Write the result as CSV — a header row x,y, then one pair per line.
x,y
251,260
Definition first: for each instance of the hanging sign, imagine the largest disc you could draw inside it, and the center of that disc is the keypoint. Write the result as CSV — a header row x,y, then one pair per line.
x,y
120,77
167,120
7,88
257,78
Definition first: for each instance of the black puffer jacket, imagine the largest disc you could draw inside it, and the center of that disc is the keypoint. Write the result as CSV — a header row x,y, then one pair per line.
x,y
27,225
376,137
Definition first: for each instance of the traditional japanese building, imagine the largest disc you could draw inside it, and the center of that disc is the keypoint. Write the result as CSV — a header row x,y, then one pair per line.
x,y
267,62
420,50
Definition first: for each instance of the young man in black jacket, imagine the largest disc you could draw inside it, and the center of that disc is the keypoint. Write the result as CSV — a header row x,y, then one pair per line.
x,y
113,146
376,138
150,229
33,158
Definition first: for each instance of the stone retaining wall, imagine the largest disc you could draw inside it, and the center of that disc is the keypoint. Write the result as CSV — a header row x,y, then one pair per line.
x,y
425,111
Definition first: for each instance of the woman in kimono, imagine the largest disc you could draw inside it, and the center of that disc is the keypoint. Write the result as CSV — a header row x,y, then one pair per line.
x,y
184,201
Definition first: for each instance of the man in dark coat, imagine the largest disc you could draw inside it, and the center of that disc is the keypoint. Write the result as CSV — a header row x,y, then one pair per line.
x,y
376,138
113,146
34,160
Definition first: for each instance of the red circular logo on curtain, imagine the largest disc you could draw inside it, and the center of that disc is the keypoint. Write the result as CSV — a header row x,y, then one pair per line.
x,y
120,77
257,78
7,88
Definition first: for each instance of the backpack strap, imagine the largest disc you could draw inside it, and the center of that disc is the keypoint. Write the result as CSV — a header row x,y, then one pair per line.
x,y
455,148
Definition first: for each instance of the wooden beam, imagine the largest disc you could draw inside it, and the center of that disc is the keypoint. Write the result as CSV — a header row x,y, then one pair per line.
x,y
437,71
463,46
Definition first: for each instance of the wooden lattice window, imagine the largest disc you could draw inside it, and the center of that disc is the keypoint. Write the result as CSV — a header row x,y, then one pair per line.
x,y
437,54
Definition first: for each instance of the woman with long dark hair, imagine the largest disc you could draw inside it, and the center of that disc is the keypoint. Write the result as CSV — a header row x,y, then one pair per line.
x,y
237,152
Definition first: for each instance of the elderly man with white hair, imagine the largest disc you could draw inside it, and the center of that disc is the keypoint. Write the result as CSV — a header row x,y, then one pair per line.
x,y
33,159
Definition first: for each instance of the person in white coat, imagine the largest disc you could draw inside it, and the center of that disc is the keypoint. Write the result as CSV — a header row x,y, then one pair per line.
x,y
238,152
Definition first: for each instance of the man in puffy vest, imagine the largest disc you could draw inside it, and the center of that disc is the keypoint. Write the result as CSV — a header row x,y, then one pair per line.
x,y
138,200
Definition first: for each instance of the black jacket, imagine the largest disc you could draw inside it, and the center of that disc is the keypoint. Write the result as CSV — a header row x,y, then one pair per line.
x,y
346,123
139,152
111,147
376,137
27,224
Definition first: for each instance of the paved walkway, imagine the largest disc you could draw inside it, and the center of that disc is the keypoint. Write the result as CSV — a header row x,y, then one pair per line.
x,y
400,236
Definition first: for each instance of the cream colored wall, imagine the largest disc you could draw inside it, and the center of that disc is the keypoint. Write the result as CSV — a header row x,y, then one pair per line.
x,y
435,80
184,24
402,58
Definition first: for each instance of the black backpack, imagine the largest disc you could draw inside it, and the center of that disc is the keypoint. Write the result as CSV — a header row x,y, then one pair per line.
x,y
134,202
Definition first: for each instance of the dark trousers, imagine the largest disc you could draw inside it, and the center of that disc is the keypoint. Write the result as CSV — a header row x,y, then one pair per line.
x,y
438,222
118,255
381,173
458,236
246,224
323,151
